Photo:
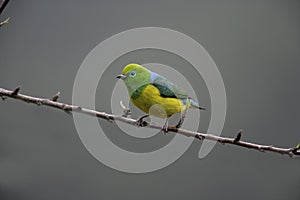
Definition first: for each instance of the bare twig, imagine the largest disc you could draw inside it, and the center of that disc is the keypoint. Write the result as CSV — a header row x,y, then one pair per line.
x,y
293,151
4,22
3,5
55,97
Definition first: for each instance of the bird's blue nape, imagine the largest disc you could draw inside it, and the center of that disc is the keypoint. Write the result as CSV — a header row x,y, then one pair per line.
x,y
153,76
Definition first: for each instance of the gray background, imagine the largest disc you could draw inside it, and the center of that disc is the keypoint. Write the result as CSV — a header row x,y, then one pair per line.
x,y
256,46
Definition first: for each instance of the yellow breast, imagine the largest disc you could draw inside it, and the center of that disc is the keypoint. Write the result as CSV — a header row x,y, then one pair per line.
x,y
152,103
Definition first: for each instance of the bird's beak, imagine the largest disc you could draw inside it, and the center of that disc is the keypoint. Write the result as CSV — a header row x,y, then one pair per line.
x,y
121,76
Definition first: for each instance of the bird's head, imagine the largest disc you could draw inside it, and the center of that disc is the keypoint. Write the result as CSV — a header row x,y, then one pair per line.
x,y
135,76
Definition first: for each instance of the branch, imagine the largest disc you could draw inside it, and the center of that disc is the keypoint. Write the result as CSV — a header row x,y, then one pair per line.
x,y
52,102
2,6
4,22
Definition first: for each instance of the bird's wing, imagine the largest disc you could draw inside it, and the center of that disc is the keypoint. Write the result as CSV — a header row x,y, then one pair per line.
x,y
166,87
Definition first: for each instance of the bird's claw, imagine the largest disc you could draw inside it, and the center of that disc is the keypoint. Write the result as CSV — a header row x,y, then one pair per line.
x,y
140,121
126,112
165,129
179,123
166,126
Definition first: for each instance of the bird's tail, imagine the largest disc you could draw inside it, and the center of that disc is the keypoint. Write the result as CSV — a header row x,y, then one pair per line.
x,y
190,103
194,104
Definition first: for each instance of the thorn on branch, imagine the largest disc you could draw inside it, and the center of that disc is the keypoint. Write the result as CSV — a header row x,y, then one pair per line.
x,y
16,91
238,137
198,137
55,97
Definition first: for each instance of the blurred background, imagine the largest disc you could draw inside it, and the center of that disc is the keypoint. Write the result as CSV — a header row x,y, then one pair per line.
x,y
256,46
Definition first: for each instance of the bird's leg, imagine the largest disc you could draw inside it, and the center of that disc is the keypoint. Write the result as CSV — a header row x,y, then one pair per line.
x,y
183,116
166,125
126,111
140,121
179,124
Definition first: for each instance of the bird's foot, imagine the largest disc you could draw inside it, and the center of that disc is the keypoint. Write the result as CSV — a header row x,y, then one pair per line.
x,y
179,124
126,112
166,126
165,129
140,121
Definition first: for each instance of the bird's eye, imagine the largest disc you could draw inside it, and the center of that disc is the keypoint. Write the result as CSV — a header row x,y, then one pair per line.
x,y
132,74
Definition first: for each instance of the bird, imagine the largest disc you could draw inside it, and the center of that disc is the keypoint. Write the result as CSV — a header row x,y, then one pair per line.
x,y
155,95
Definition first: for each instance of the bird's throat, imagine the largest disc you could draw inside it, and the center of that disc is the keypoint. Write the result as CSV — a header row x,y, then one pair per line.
x,y
135,93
